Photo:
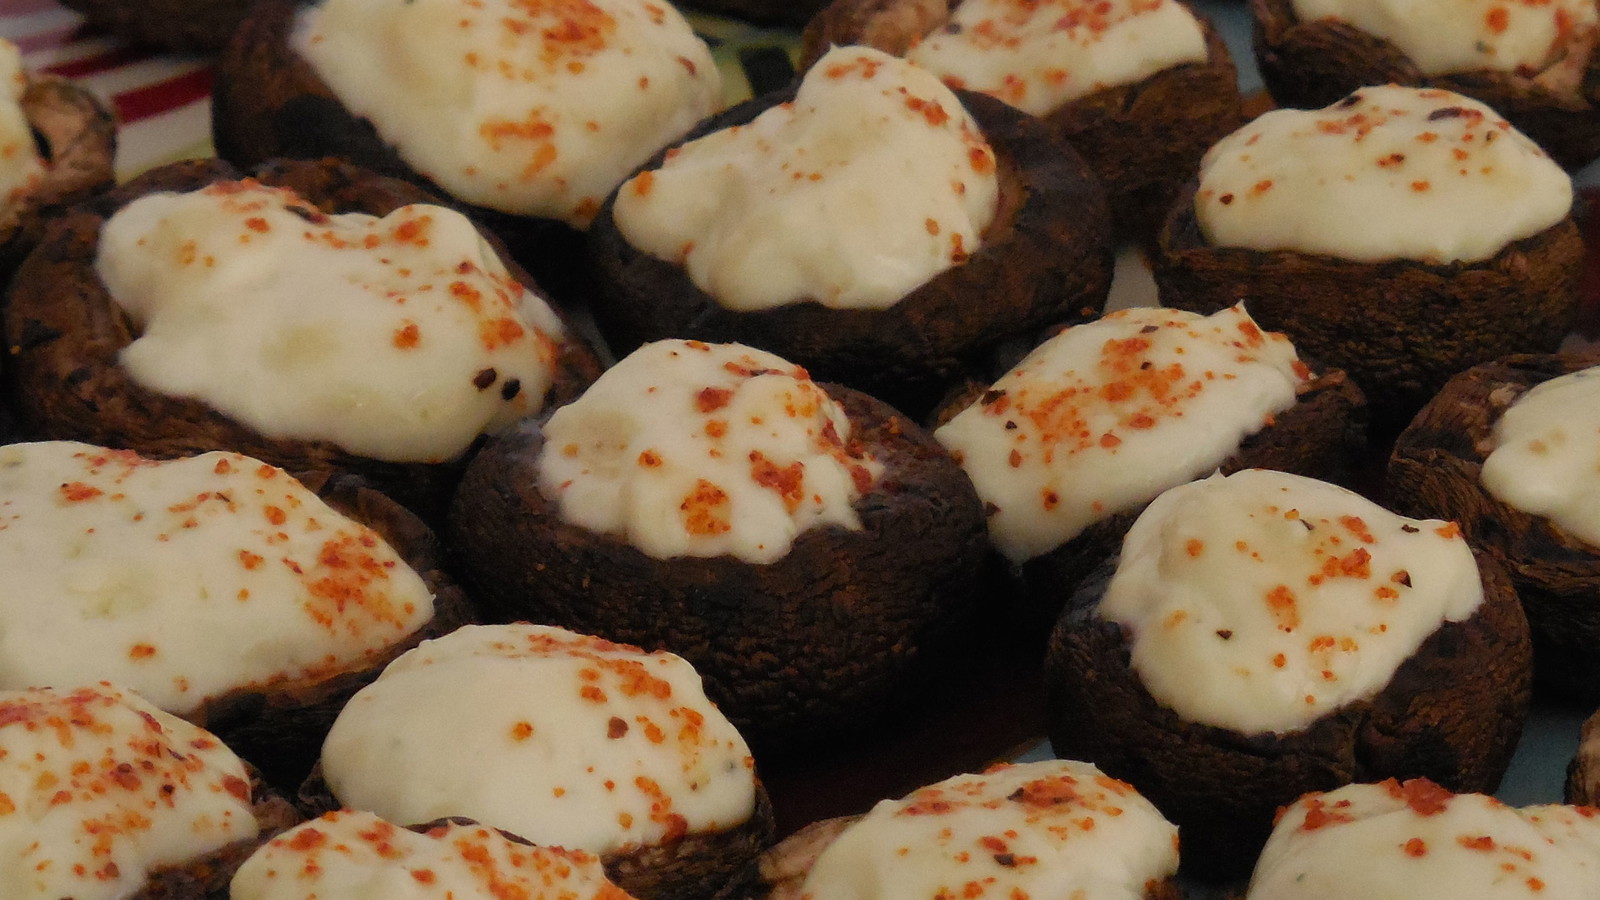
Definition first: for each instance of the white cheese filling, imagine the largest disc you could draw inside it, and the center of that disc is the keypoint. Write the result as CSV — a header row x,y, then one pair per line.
x,y
399,338
1417,841
1104,416
1262,601
354,855
98,788
1546,460
185,579
20,166
872,181
692,449
534,107
1386,173
1045,829
1038,56
1445,36
557,737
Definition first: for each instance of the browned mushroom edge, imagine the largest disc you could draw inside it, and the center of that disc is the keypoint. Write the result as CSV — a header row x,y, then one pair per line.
x,y
77,140
207,876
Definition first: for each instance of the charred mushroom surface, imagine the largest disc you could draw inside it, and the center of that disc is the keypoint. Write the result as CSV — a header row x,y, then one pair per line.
x,y
1313,63
184,25
1142,140
67,335
1046,258
795,651
1436,470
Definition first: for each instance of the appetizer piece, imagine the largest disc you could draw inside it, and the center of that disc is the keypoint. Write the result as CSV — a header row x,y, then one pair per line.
x,y
809,550
1045,829
1507,450
1415,840
531,113
57,146
1364,232
869,225
350,853
107,797
1583,772
183,25
1140,88
1067,447
1264,635
315,316
562,739
218,587
1533,62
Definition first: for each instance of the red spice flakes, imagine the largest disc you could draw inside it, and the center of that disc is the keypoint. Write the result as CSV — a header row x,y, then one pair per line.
x,y
408,336
1261,187
930,110
1420,186
1415,848
981,160
650,459
1320,815
78,491
1424,797
712,399
706,510
141,651
932,225
1497,19
644,182
521,731
1393,159
1449,531
1281,602
1051,499
788,481
423,876
1110,441
1194,547
1357,528
1478,842
1048,792
1279,661
616,728
251,561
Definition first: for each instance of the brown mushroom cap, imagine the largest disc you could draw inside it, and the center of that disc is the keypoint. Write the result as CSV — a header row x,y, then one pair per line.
x,y
1142,140
1453,713
1401,328
1436,471
65,332
1312,64
77,139
692,866
1046,258
794,652
1583,772
171,24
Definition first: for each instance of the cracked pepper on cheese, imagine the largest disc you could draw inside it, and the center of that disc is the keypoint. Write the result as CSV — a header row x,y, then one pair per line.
x,y
1414,840
557,737
1443,36
692,449
1262,601
20,166
871,181
1044,829
98,788
1386,173
186,579
1038,56
1545,460
1104,416
399,338
353,855
533,107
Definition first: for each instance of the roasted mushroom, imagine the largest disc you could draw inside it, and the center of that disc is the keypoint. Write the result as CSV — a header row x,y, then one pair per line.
x,y
184,25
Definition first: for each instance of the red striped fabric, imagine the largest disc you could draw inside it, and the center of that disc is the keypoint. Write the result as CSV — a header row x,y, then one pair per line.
x,y
163,96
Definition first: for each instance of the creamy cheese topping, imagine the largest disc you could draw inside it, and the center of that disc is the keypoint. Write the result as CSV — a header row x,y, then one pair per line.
x,y
1546,460
351,855
187,578
1262,601
98,787
1037,56
1045,829
1103,417
1386,173
1443,36
536,107
872,181
692,449
557,737
1417,841
20,166
401,338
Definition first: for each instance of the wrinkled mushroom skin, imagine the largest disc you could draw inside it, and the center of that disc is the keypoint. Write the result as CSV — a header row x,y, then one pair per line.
x,y
1046,258
1142,140
694,866
280,727
208,877
196,25
267,103
1313,64
1453,712
1435,471
77,138
795,652
65,332
1400,328
1322,436
1583,772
